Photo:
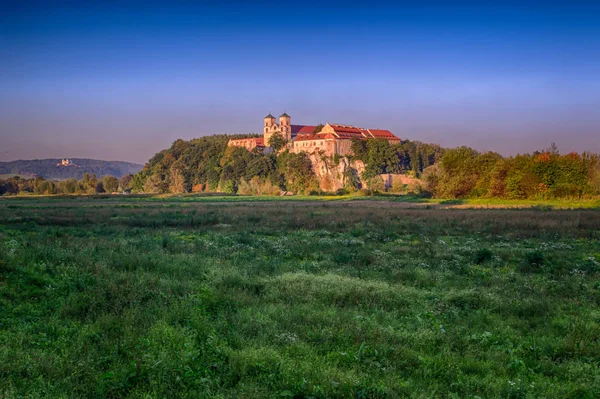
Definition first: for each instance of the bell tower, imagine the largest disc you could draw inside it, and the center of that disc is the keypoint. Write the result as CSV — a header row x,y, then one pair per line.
x,y
285,127
269,122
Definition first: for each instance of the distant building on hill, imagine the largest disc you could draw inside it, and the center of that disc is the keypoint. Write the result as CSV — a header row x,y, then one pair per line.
x,y
65,162
331,139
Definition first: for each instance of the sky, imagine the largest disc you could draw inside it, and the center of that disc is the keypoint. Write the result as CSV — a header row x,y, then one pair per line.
x,y
120,80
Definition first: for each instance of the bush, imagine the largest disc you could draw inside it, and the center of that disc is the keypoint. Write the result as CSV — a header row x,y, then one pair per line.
x,y
364,192
398,187
533,262
483,255
376,184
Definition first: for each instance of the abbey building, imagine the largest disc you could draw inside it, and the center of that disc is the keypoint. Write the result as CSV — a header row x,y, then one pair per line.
x,y
331,139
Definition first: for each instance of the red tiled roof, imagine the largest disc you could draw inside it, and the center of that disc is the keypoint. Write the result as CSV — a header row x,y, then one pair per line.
x,y
305,132
382,134
305,136
260,141
302,129
347,132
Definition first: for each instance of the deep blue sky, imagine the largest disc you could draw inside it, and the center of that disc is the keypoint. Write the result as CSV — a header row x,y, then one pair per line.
x,y
122,80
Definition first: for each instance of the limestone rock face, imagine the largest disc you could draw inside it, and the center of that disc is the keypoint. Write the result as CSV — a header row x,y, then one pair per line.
x,y
331,175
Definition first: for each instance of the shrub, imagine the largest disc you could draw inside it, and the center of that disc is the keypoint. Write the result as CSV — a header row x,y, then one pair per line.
x,y
398,187
364,192
533,262
483,255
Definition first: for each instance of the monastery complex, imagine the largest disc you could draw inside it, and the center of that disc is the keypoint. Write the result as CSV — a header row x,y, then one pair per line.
x,y
332,139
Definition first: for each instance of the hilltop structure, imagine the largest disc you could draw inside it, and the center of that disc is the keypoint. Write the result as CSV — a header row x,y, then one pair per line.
x,y
331,139
65,162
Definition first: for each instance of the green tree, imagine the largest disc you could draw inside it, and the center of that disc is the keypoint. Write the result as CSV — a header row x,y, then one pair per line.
x,y
351,179
299,174
69,186
45,187
110,184
89,183
277,142
138,182
152,184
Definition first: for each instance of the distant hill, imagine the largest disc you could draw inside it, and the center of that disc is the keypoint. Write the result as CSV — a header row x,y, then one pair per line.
x,y
48,169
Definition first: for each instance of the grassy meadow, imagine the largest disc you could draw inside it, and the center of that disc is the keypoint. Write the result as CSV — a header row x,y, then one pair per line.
x,y
220,297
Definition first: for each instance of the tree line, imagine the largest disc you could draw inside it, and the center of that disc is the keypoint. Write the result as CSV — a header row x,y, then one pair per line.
x,y
207,164
89,184
463,172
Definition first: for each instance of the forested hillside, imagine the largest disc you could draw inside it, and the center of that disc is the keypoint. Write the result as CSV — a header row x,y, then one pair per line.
x,y
207,164
48,169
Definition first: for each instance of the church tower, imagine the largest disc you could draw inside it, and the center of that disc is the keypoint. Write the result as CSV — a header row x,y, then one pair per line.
x,y
285,127
268,127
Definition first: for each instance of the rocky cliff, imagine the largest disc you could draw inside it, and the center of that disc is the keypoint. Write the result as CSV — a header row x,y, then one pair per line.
x,y
333,174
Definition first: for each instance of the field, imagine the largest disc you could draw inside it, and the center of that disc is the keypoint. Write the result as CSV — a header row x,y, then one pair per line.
x,y
239,297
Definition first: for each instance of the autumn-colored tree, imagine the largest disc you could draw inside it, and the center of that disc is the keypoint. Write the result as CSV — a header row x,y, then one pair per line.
x,y
177,181
125,182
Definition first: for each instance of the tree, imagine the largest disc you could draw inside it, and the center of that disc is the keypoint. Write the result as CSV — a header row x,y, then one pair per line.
x,y
69,186
262,167
125,182
8,187
318,128
138,182
351,180
177,181
432,176
359,149
110,184
276,142
152,184
89,183
45,187
99,188
299,173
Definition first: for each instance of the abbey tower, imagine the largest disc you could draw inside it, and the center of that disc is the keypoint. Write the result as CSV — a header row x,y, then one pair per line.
x,y
271,127
285,127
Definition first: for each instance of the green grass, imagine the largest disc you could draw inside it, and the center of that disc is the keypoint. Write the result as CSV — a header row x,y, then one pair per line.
x,y
591,203
151,297
551,203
